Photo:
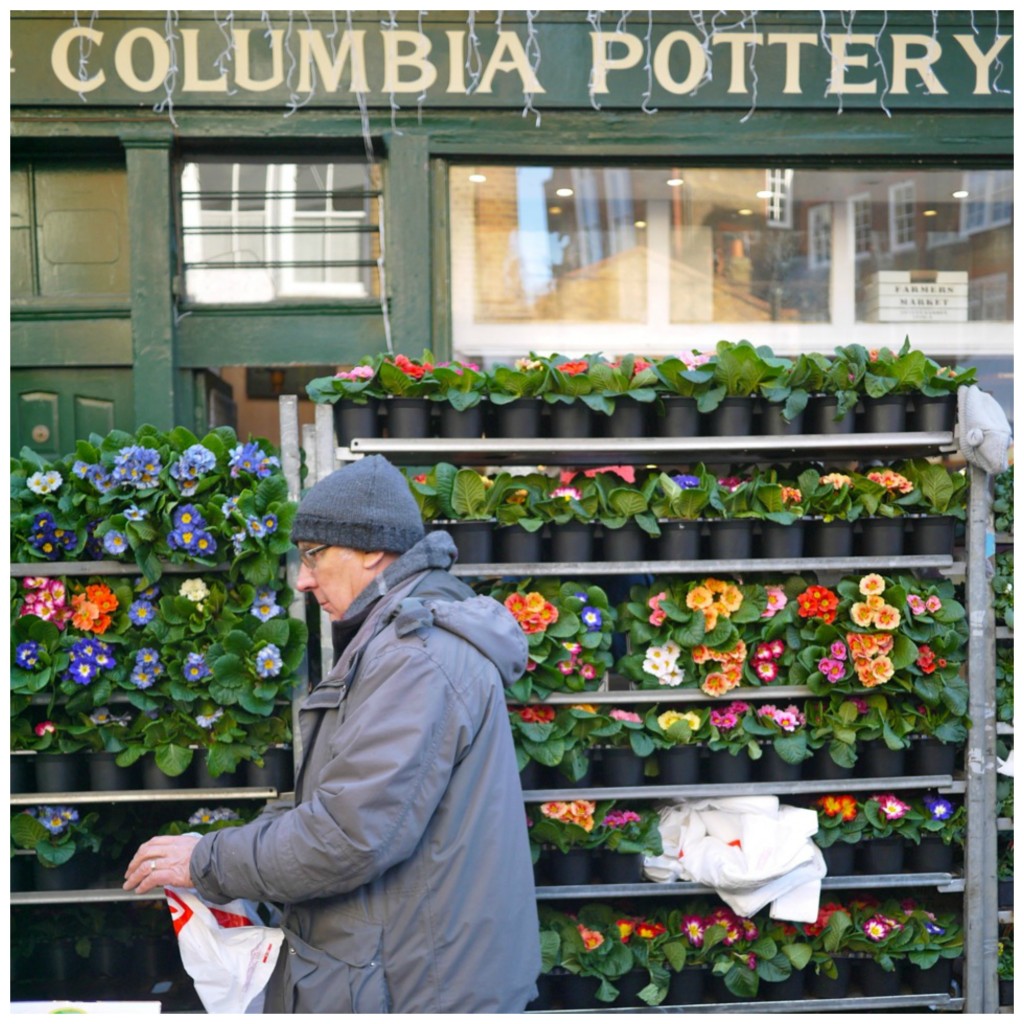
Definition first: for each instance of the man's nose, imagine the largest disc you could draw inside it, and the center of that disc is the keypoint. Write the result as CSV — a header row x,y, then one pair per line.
x,y
306,580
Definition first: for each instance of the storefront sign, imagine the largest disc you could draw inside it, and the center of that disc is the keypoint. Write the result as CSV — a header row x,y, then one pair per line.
x,y
928,296
560,59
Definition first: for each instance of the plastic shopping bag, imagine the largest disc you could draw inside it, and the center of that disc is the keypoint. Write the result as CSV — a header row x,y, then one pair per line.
x,y
228,952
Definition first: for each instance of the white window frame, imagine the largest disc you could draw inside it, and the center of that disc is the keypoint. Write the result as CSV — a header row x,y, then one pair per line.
x,y
901,195
819,229
854,205
987,188
778,207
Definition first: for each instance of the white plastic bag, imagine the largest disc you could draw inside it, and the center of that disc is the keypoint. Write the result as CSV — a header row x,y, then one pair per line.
x,y
228,952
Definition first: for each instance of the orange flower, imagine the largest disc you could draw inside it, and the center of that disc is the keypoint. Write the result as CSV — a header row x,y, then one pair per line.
x,y
91,609
710,619
699,597
887,617
626,927
717,683
861,614
591,939
573,367
882,669
650,930
872,584
701,653
848,807
732,598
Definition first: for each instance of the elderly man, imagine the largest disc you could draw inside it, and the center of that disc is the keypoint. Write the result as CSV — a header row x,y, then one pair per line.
x,y
403,869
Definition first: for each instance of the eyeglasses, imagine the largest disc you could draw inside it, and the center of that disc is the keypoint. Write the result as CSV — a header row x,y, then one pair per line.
x,y
308,557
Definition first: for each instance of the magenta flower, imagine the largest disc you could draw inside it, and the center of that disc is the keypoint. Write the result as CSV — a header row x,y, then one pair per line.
x,y
788,719
892,807
839,650
877,928
620,819
766,671
693,929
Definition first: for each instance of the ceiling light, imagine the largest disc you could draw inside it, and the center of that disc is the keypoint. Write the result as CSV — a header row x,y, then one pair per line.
x,y
961,193
554,209
744,212
563,192
639,223
765,193
674,182
478,178
929,213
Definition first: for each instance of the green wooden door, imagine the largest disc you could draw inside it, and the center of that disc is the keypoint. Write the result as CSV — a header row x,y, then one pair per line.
x,y
51,409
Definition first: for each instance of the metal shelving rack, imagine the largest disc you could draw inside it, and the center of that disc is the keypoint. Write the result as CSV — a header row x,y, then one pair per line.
x,y
978,881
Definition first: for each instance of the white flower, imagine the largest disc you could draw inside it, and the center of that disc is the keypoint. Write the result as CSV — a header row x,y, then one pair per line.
x,y
674,677
195,590
44,483
672,649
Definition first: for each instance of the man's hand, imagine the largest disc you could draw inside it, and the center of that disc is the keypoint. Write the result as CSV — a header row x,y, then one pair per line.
x,y
162,860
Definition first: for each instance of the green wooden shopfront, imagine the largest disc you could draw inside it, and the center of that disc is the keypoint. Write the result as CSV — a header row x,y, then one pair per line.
x,y
211,208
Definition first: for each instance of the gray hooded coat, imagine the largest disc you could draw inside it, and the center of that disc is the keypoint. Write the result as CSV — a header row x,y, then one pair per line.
x,y
403,869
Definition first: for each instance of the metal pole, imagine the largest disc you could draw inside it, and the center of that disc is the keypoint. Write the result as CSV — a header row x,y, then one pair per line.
x,y
981,933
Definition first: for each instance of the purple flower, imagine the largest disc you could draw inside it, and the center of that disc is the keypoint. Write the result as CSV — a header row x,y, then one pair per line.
x,y
195,668
938,807
686,481
591,618
27,654
114,542
141,612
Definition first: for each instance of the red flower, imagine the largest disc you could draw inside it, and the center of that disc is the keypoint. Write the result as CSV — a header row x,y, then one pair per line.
x,y
537,713
45,727
650,930
573,367
411,369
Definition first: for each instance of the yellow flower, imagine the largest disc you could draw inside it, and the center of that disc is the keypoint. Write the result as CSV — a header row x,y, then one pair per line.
x,y
669,718
732,598
699,597
710,619
872,584
535,601
874,602
592,708
862,615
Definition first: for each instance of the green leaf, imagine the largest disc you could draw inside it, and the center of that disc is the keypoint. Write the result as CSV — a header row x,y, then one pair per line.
x,y
173,760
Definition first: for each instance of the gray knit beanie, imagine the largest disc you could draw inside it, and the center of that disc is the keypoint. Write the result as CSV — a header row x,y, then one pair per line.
x,y
366,505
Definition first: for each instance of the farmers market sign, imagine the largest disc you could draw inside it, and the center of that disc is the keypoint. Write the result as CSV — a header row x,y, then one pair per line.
x,y
559,59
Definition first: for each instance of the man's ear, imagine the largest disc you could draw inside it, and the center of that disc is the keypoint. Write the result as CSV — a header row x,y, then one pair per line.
x,y
373,559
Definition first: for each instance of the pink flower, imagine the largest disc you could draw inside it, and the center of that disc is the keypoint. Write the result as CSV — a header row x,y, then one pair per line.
x,y
625,716
933,604
839,650
691,362
917,606
766,671
778,648
356,373
619,819
531,665
777,600
723,719
831,669
788,720
657,616
588,671
43,728
569,493
892,807
860,704
566,668
876,928
693,928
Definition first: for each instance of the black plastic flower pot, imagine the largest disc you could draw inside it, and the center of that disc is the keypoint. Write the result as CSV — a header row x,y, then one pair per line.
x,y
832,539
474,540
732,417
679,766
778,540
878,761
821,986
620,868
59,773
59,961
545,997
820,416
460,423
881,856
725,767
886,415
23,775
276,772
931,856
730,538
792,988
154,778
823,767
933,413
22,872
930,756
937,978
514,544
679,418
576,992
873,980
572,542
629,419
570,419
629,986
354,419
626,544
839,858
619,766
1004,889
558,780
774,424
679,540
205,779
523,417
1006,992
720,992
73,874
772,768
107,956
106,774
931,535
408,418
881,536
533,776
686,987
571,868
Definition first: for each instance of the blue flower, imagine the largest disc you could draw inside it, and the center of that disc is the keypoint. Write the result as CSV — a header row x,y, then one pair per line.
x,y
204,544
264,604
208,721
81,469
142,678
134,514
591,618
195,667
268,662
250,458
141,612
188,516
103,658
686,481
136,466
100,479
53,820
27,654
933,929
229,507
85,650
938,807
270,523
194,462
114,542
82,672
150,593
255,527
147,658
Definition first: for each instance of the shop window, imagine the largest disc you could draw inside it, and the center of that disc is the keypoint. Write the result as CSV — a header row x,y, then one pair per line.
x,y
257,229
901,216
989,200
583,258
